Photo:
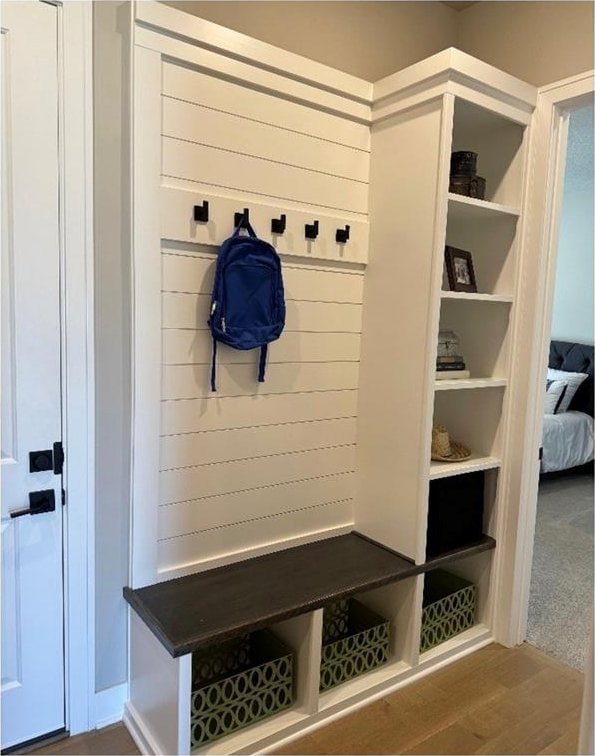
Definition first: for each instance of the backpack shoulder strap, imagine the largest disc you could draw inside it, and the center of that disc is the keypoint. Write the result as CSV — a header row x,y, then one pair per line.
x,y
262,362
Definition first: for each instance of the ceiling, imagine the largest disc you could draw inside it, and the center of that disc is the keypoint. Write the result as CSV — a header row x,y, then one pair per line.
x,y
459,5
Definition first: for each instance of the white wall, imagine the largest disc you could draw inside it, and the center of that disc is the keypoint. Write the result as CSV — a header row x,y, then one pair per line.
x,y
573,299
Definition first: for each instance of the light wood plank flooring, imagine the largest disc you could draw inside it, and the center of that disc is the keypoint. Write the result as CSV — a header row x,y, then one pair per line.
x,y
495,701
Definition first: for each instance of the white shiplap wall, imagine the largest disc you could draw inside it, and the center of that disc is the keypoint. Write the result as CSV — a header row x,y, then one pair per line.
x,y
256,465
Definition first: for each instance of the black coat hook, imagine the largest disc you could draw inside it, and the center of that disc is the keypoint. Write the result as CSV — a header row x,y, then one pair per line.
x,y
241,219
201,212
342,235
311,230
278,225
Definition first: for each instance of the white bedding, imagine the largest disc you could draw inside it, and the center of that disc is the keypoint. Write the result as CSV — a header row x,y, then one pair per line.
x,y
567,441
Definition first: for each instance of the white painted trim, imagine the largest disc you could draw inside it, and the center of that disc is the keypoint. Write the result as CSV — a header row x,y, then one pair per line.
x,y
109,705
139,731
146,309
76,179
548,146
463,68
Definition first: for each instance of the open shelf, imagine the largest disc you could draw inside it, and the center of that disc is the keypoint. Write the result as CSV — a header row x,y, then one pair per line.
x,y
484,335
388,673
469,208
256,735
498,142
475,462
474,637
484,544
469,383
476,297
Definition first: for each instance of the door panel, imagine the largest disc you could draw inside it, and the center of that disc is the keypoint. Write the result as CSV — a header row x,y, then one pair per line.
x,y
32,575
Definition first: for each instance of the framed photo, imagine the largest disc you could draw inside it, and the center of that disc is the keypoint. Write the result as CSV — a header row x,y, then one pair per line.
x,y
459,267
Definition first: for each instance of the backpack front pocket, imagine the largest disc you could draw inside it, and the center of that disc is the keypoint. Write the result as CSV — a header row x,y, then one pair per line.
x,y
249,295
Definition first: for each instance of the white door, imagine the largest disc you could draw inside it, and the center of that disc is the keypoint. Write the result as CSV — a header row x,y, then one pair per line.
x,y
32,574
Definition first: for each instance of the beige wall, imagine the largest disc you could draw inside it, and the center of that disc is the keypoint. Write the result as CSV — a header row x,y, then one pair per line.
x,y
538,42
366,39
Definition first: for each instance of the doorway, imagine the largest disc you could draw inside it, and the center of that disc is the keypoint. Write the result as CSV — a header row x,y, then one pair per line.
x,y
560,603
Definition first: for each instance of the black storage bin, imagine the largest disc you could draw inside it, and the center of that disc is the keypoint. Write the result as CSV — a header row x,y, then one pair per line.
x,y
455,512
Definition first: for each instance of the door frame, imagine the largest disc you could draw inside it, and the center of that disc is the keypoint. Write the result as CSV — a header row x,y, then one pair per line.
x,y
548,162
75,77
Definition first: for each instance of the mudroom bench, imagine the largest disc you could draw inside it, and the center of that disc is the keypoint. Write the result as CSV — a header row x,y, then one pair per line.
x,y
176,622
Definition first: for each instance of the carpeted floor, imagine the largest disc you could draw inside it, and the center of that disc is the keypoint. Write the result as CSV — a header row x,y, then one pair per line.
x,y
561,602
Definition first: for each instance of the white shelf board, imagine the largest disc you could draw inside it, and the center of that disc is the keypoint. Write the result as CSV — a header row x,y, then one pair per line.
x,y
474,463
390,672
475,297
475,637
463,207
469,383
253,735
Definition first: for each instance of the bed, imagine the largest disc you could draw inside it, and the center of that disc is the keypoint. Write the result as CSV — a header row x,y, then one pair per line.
x,y
568,439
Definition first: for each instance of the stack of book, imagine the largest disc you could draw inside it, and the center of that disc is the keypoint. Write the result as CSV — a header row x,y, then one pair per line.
x,y
450,367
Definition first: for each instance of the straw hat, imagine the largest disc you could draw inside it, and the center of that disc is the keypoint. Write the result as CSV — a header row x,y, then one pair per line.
x,y
444,449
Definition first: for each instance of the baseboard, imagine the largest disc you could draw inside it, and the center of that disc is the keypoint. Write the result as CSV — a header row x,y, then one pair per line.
x,y
139,732
109,705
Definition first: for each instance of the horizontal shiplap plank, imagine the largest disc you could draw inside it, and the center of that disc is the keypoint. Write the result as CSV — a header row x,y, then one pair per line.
x,y
218,511
190,449
193,162
232,132
176,203
192,311
195,275
193,381
239,475
216,413
185,347
253,534
202,89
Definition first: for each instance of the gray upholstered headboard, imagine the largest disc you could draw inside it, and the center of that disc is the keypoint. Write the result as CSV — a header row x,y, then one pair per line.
x,y
575,358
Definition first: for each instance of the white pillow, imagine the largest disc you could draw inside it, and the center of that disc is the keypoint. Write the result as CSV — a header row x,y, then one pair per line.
x,y
573,380
554,394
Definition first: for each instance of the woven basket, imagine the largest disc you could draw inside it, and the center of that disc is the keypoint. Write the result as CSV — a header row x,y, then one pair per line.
x,y
355,640
448,607
237,683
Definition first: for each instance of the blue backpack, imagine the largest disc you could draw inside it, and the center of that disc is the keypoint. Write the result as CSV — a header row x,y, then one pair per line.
x,y
248,304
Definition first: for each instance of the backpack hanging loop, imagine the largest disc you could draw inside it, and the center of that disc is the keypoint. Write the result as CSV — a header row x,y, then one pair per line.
x,y
242,219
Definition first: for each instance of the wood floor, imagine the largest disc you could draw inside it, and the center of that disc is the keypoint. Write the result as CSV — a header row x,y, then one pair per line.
x,y
495,701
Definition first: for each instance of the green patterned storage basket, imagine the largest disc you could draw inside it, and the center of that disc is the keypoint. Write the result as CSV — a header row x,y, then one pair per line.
x,y
449,607
354,640
237,683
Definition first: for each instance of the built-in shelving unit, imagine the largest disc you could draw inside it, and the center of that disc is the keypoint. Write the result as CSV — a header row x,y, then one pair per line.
x,y
316,484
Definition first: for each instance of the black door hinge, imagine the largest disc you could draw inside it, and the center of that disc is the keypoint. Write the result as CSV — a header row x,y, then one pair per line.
x,y
63,498
58,458
540,453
